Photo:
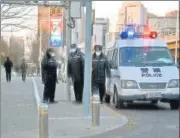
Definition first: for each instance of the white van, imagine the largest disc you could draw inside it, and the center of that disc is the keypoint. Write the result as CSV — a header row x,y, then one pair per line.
x,y
142,69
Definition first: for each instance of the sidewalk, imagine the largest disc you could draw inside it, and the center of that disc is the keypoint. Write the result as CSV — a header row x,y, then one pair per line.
x,y
18,110
66,119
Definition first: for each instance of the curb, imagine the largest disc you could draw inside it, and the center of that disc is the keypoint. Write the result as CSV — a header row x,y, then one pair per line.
x,y
36,94
124,120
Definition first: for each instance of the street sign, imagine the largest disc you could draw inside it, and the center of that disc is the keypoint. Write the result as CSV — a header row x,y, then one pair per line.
x,y
56,36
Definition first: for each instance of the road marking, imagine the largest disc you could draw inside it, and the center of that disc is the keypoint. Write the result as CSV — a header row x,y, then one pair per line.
x,y
80,118
172,126
115,113
36,94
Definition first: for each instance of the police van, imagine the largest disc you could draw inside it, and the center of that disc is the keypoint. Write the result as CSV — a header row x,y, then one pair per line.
x,y
142,69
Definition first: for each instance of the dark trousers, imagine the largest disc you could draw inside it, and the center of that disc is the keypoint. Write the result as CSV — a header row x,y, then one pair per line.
x,y
23,76
49,89
8,75
78,90
99,87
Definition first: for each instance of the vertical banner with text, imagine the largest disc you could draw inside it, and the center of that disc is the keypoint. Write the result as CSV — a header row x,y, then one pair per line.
x,y
56,27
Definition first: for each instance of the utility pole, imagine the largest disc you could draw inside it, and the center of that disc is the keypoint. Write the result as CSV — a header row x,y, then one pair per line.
x,y
88,59
177,37
0,68
68,43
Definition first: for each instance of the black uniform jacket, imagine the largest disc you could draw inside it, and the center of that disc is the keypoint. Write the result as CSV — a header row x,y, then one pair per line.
x,y
49,68
76,66
100,68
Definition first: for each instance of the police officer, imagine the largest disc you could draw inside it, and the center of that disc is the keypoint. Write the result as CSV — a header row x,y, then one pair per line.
x,y
24,69
8,66
76,71
100,68
49,76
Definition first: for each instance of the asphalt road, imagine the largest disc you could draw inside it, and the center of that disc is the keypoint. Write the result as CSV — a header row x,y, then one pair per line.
x,y
146,121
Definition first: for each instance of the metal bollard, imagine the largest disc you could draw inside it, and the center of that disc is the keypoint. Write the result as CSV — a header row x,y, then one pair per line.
x,y
95,110
43,121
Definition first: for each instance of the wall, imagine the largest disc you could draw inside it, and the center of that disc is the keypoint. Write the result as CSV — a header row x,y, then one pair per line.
x,y
163,25
98,35
131,12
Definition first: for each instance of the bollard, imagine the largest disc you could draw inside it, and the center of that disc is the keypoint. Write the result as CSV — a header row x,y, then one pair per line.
x,y
43,121
95,110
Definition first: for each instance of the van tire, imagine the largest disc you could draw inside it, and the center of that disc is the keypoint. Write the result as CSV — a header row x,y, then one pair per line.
x,y
116,101
174,104
154,101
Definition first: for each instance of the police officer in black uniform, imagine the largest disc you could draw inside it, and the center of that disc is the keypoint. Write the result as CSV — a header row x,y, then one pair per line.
x,y
100,69
76,71
8,67
49,76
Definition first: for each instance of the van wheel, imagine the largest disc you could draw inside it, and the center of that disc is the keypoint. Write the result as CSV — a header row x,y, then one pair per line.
x,y
117,102
154,101
174,104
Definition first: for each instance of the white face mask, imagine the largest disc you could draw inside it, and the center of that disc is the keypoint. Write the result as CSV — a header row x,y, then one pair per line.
x,y
52,54
98,53
73,50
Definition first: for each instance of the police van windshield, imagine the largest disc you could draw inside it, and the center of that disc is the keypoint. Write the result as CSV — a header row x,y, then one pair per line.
x,y
145,56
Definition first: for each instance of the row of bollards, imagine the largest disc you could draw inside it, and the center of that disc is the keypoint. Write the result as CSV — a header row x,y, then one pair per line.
x,y
95,110
43,121
43,116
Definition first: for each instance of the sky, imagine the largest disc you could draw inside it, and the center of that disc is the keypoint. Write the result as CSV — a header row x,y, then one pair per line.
x,y
109,9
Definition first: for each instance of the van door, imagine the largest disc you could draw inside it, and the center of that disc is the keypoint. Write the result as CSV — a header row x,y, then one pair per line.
x,y
109,57
114,69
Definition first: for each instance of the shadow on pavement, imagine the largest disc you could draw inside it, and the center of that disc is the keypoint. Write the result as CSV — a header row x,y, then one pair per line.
x,y
145,106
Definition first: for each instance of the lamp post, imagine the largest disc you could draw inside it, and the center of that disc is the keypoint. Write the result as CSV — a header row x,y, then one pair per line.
x,y
177,37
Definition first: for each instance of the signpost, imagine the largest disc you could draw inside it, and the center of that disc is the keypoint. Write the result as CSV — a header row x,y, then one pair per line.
x,y
56,26
56,36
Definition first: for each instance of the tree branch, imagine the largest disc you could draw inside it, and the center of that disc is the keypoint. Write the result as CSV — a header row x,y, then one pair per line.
x,y
19,15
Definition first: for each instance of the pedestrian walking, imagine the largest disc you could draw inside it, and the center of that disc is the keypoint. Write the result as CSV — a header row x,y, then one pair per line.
x,y
24,67
100,69
8,67
76,71
49,76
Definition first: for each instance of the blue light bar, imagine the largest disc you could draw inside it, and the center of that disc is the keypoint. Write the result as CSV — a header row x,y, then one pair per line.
x,y
131,32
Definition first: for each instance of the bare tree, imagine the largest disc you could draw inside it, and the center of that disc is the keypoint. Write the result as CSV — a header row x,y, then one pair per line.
x,y
16,16
35,51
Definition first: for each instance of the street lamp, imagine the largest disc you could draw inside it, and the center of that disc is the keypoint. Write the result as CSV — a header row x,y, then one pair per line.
x,y
177,37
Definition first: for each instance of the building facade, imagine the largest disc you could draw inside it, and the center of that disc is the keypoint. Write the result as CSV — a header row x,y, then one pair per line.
x,y
163,25
100,28
131,12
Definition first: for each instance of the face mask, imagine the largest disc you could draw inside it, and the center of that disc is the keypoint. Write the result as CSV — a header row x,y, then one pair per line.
x,y
98,53
52,54
73,50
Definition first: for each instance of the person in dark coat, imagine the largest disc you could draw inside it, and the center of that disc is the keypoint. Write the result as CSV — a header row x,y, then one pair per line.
x,y
49,76
76,71
100,69
8,66
24,67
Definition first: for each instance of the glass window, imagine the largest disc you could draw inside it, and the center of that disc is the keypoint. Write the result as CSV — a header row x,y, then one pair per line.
x,y
114,58
149,56
110,54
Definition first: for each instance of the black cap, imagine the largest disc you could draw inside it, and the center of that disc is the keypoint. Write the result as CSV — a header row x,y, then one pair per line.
x,y
73,46
48,51
98,47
